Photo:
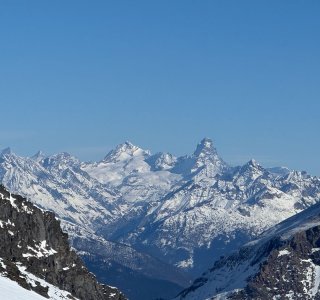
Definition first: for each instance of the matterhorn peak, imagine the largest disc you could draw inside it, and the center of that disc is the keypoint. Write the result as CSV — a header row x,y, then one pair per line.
x,y
205,147
253,163
206,157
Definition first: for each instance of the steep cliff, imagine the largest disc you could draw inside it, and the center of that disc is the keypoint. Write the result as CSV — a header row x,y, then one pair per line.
x,y
36,254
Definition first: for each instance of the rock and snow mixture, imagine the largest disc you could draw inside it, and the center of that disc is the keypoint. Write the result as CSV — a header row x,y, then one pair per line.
x,y
283,263
36,261
185,211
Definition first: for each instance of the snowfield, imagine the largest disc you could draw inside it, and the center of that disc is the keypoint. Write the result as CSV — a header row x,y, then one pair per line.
x,y
10,290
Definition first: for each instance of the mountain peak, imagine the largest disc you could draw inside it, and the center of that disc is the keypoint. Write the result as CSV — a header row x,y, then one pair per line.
x,y
205,147
126,146
205,160
253,163
125,150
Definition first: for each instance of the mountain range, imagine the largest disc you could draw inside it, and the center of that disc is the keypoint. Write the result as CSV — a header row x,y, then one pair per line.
x,y
282,263
158,220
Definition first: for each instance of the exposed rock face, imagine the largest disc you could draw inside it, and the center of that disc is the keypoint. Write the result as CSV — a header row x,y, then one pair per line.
x,y
291,270
284,263
32,242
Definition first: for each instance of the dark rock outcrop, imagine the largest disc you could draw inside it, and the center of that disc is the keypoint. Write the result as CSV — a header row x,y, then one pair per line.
x,y
289,271
31,240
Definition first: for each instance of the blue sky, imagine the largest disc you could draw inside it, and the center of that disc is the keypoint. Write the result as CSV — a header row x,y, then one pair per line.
x,y
83,76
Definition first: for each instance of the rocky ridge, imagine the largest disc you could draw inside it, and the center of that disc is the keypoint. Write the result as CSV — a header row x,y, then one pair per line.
x,y
36,254
283,263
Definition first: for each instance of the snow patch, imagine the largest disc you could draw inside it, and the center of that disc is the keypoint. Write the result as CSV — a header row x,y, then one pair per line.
x,y
54,292
283,252
11,290
185,263
41,251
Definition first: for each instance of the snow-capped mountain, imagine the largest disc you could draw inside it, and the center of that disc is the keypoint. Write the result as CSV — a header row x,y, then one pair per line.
x,y
213,208
185,211
35,256
282,263
57,183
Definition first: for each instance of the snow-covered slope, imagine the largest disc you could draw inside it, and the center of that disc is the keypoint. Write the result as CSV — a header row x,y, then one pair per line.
x,y
185,211
283,263
126,168
11,290
58,184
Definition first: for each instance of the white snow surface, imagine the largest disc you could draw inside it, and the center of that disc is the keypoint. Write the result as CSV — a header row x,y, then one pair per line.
x,y
10,290
283,252
126,169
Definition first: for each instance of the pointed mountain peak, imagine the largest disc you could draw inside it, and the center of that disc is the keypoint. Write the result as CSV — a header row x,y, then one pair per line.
x,y
252,167
205,147
253,163
205,161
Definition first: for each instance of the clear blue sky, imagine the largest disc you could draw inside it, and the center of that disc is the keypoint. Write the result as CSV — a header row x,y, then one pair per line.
x,y
83,76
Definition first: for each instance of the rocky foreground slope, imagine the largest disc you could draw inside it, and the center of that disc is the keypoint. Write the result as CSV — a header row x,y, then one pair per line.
x,y
35,253
283,263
